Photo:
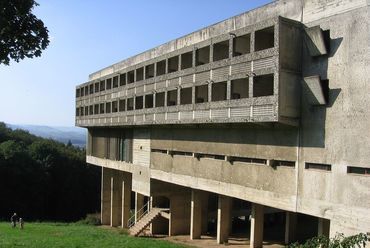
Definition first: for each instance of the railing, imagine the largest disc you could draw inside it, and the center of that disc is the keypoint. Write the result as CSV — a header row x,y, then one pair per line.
x,y
133,219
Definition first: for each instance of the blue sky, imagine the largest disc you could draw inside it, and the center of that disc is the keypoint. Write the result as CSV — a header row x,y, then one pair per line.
x,y
89,35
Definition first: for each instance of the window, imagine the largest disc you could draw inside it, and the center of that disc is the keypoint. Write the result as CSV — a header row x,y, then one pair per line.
x,y
221,50
159,151
91,88
247,160
149,101
122,105
316,166
77,111
139,102
109,83
159,99
97,87
115,82
264,39
102,85
240,88
161,67
171,98
186,60
241,45
130,104
87,110
149,71
108,106
77,92
173,64
180,153
139,74
102,109
115,107
186,96
263,85
283,163
201,94
219,91
122,79
86,90
202,56
82,111
130,77
358,170
96,109
211,156
82,92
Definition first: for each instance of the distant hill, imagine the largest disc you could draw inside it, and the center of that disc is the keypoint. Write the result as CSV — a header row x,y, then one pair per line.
x,y
76,135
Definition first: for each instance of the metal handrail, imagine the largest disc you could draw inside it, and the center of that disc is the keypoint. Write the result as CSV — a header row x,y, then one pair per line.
x,y
132,221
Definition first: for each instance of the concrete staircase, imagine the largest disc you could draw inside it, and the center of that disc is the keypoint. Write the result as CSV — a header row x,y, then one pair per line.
x,y
147,219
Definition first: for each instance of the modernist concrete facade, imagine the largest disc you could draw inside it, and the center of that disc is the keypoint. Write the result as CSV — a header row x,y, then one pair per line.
x,y
264,115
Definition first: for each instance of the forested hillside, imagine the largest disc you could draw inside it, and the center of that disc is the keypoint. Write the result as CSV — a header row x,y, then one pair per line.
x,y
42,179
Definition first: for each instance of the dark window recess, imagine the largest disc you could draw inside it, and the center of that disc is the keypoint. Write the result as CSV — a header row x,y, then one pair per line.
x,y
96,109
316,166
130,77
221,50
122,105
358,170
201,93
159,151
139,74
102,85
102,109
173,64
212,156
264,39
109,83
139,102
276,163
240,88
161,67
172,98
149,101
149,71
186,96
82,93
87,110
77,92
77,111
263,85
115,81
108,107
82,111
247,160
186,60
241,45
115,106
97,87
130,104
202,56
219,91
159,99
86,90
122,79
91,87
180,153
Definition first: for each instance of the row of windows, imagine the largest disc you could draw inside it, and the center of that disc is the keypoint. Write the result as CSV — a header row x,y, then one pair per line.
x,y
262,86
264,39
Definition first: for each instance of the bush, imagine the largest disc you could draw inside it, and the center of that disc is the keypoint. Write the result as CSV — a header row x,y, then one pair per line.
x,y
91,219
339,241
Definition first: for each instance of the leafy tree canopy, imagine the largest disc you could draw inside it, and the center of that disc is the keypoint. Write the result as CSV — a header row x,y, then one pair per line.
x,y
22,34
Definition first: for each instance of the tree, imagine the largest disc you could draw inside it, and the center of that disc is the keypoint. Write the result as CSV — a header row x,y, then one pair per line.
x,y
22,34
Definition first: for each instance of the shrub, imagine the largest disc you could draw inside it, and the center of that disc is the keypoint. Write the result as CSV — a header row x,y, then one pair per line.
x,y
339,241
91,219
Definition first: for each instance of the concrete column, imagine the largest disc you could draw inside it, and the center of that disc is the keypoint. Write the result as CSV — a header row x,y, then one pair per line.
x,y
205,213
290,227
256,237
323,227
126,199
116,199
139,203
196,215
179,213
223,219
105,196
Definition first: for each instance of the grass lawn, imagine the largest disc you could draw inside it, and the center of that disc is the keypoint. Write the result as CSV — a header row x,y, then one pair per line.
x,y
50,235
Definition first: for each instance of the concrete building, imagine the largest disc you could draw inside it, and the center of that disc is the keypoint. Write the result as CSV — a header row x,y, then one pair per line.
x,y
256,125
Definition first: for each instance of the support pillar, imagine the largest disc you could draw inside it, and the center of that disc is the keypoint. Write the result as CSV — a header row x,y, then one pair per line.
x,y
290,227
126,185
116,199
179,213
205,213
196,215
139,203
256,236
223,219
105,196
323,227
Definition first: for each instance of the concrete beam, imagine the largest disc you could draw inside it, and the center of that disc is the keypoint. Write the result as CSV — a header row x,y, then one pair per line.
x,y
256,236
223,218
